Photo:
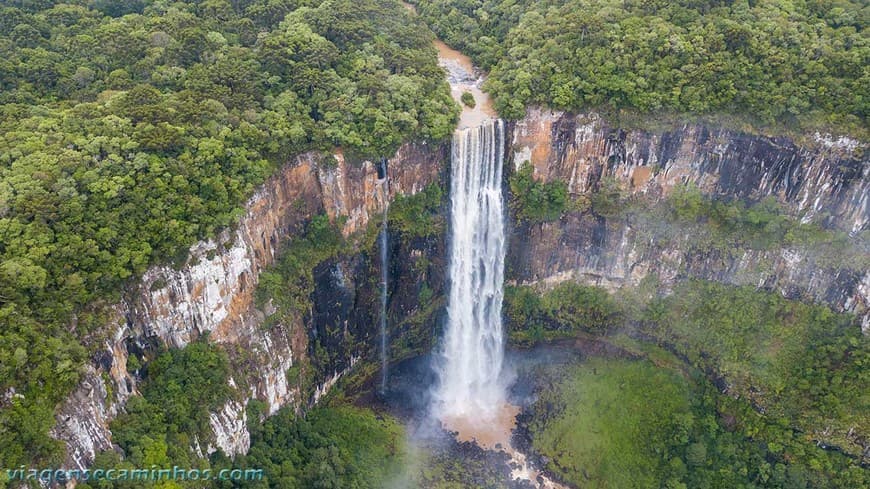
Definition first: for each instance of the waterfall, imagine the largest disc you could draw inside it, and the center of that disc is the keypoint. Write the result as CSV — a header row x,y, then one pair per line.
x,y
472,352
384,240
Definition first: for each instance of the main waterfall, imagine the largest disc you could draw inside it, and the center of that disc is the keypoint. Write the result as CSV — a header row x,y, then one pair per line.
x,y
470,362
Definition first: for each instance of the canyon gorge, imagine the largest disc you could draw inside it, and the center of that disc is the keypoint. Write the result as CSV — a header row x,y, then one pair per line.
x,y
213,292
435,243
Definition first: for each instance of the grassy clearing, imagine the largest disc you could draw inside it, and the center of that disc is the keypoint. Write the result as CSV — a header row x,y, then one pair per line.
x,y
612,419
617,423
794,377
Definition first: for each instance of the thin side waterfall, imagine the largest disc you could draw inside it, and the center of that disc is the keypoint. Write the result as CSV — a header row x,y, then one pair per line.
x,y
384,240
385,265
471,359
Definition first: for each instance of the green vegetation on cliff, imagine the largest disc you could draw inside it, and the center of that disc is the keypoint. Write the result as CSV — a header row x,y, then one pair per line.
x,y
287,286
733,225
289,282
419,215
701,224
330,447
162,427
560,311
776,63
128,130
536,201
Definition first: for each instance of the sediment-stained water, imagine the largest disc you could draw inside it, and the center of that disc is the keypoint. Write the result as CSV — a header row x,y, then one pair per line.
x,y
464,77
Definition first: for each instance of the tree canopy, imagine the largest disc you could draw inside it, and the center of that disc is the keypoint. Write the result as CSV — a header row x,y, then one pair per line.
x,y
128,130
785,64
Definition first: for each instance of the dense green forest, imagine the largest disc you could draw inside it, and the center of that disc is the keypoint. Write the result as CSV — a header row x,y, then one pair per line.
x,y
794,374
783,64
180,388
609,422
333,447
330,447
128,130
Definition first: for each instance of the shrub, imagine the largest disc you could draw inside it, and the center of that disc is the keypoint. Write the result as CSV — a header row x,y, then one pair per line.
x,y
535,201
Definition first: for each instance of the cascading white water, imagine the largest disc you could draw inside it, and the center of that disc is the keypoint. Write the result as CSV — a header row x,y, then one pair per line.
x,y
470,363
384,240
384,243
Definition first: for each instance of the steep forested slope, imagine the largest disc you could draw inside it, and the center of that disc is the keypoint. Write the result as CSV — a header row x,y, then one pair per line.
x,y
800,64
130,129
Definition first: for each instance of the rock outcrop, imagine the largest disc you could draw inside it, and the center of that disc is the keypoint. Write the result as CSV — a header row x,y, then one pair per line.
x,y
829,183
213,293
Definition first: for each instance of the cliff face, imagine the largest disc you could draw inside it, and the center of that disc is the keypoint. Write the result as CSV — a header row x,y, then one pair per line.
x,y
346,306
828,184
213,292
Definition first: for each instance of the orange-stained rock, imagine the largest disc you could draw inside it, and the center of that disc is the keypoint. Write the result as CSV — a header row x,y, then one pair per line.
x,y
828,182
831,178
213,292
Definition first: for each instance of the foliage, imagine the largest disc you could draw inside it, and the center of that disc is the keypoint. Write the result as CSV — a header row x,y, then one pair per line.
x,y
802,363
290,281
334,447
608,198
759,226
340,446
798,64
536,201
162,426
128,130
734,225
181,387
40,363
613,424
621,423
563,310
468,99
794,373
418,214
288,285
710,224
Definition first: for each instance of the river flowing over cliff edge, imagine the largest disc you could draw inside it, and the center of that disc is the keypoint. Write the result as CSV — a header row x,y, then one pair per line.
x,y
214,291
470,372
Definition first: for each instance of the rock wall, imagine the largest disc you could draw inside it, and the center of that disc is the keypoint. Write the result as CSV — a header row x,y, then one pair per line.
x,y
213,292
829,183
345,312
